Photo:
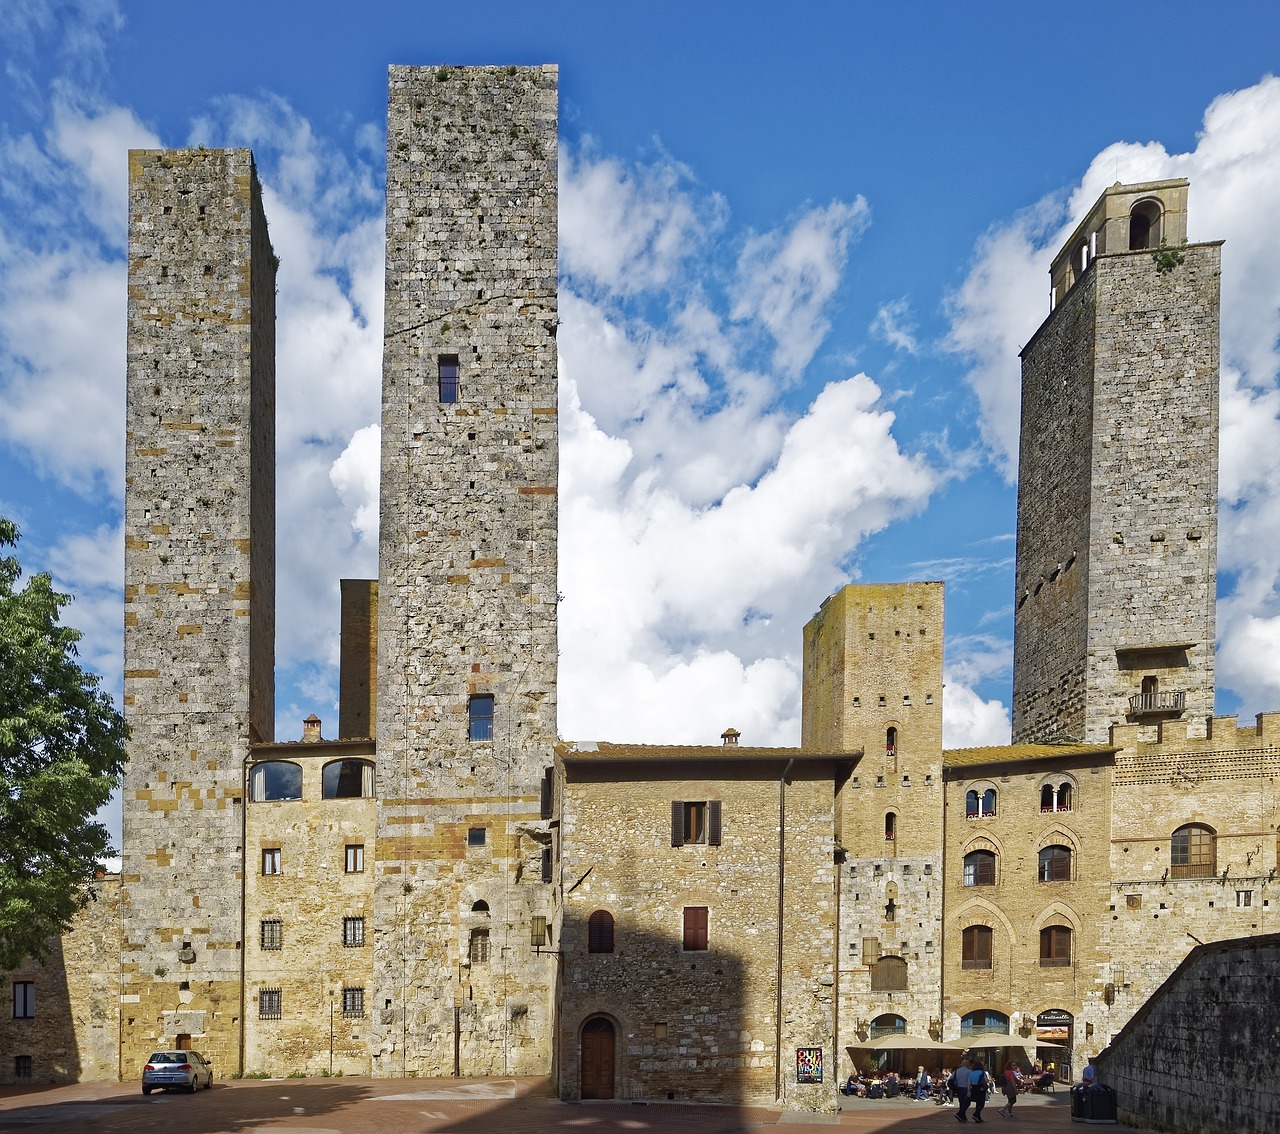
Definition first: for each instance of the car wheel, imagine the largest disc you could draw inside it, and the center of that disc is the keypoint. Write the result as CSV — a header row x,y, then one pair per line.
x,y
146,1090
191,1087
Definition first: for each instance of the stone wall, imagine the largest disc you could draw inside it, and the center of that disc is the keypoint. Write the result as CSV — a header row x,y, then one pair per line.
x,y
74,1032
701,1024
1198,1058
1019,983
199,586
358,659
467,558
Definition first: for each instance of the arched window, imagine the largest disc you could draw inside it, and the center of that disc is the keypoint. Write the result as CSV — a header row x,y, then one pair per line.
x,y
889,1024
975,947
980,868
1055,946
1064,797
988,802
891,751
480,907
275,779
347,779
1055,798
1192,853
600,932
1047,797
984,1022
1055,864
971,805
890,826
889,974
1144,226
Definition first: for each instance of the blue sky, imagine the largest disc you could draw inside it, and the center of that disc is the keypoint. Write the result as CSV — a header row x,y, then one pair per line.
x,y
800,248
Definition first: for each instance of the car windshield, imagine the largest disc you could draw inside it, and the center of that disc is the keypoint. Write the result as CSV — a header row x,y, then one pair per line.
x,y
168,1057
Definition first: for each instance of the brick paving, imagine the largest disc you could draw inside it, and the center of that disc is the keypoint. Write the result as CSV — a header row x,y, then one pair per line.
x,y
418,1106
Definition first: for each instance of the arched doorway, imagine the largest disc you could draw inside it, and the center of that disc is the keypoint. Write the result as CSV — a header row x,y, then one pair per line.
x,y
597,1059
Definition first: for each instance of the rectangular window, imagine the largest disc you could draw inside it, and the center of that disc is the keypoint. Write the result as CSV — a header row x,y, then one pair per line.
x,y
546,864
547,808
273,934
870,950
480,717
352,932
1244,898
695,822
271,860
695,928
475,836
353,1001
22,1067
24,999
975,948
355,858
448,365
479,950
269,1004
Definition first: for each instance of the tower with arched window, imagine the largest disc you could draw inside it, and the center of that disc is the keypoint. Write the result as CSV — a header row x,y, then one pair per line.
x,y
1117,485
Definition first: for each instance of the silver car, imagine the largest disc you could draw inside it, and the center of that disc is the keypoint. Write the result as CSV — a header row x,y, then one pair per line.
x,y
185,1069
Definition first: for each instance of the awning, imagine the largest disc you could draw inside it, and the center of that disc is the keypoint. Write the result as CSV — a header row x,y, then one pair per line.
x,y
901,1041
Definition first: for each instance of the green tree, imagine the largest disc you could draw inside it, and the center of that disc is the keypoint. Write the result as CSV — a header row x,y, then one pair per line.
x,y
61,755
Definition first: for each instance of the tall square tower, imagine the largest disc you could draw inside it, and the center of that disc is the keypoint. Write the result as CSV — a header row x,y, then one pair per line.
x,y
1118,477
466,697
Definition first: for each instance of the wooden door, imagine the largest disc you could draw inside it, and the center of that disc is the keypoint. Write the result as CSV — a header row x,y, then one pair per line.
x,y
597,1059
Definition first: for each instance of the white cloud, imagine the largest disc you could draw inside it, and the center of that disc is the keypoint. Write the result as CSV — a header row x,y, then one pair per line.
x,y
968,721
786,279
894,325
355,474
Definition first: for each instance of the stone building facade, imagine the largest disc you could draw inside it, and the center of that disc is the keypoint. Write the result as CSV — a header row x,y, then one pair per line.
x,y
430,891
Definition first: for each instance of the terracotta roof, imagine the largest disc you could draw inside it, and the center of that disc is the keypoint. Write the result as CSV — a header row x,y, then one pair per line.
x,y
592,750
1010,753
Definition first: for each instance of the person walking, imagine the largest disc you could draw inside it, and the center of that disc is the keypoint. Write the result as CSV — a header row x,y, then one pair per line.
x,y
979,1085
922,1083
961,1076
1010,1082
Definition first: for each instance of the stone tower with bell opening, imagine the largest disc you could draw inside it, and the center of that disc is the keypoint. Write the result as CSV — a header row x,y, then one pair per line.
x,y
1118,478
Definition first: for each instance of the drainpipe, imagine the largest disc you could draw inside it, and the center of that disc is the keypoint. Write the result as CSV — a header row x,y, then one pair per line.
x,y
244,897
782,875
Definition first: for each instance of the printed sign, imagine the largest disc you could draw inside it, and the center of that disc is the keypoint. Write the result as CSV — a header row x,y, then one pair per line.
x,y
808,1065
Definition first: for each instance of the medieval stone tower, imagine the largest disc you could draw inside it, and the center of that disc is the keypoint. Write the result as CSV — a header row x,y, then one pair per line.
x,y
199,586
873,683
466,704
1117,485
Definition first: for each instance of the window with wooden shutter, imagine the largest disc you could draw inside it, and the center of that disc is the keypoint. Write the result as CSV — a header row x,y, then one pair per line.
x,y
713,822
695,928
600,932
695,822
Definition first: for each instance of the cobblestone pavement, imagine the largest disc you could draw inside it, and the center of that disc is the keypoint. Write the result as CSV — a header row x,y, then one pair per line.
x,y
418,1106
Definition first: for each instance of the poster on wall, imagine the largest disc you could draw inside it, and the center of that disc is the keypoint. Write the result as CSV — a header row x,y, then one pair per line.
x,y
808,1065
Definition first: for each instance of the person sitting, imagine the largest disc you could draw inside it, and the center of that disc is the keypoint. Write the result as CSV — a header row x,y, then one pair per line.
x,y
892,1087
1044,1081
851,1084
875,1089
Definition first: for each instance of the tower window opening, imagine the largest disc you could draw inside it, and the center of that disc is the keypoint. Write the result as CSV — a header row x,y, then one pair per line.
x,y
1144,226
448,366
480,717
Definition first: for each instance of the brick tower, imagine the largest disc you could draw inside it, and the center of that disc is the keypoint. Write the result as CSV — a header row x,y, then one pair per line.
x,y
466,705
199,587
873,681
1118,477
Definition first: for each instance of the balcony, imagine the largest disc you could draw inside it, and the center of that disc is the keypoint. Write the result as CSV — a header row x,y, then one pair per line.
x,y
1157,704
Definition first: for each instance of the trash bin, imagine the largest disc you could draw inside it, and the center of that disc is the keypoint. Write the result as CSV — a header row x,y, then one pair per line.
x,y
1095,1105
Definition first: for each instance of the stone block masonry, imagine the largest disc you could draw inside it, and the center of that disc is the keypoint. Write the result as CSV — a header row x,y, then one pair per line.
x,y
199,587
466,705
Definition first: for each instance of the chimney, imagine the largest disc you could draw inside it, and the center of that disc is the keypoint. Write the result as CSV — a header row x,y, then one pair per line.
x,y
730,736
311,730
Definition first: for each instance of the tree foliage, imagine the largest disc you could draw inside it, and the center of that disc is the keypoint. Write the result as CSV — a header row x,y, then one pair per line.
x,y
62,750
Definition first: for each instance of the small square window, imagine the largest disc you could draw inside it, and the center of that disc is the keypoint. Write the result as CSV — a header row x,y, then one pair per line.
x,y
353,1002
448,365
480,717
273,934
355,858
352,932
1244,898
476,836
24,999
271,860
